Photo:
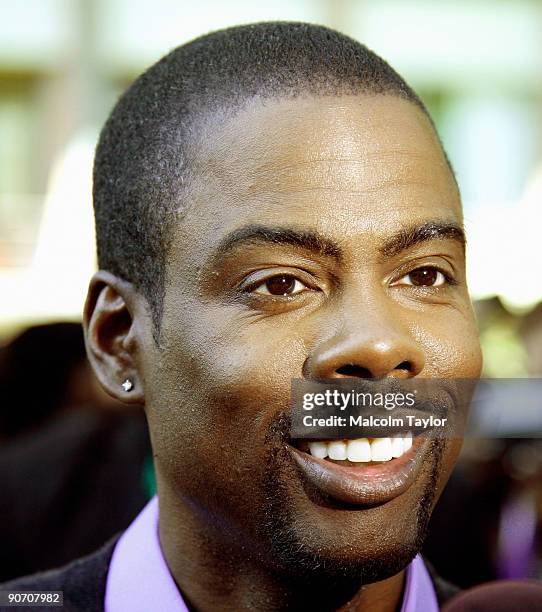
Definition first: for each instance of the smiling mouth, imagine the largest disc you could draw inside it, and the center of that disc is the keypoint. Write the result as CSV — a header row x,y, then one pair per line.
x,y
364,471
360,450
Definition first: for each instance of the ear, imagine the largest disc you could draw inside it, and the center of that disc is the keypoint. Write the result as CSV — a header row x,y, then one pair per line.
x,y
112,326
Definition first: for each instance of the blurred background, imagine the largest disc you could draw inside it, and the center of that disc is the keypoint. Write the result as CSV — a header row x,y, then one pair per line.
x,y
477,64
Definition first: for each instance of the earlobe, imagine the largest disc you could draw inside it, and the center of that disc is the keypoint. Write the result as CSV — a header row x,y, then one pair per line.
x,y
110,336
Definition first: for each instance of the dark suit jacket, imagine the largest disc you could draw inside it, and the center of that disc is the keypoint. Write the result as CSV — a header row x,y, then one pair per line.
x,y
83,582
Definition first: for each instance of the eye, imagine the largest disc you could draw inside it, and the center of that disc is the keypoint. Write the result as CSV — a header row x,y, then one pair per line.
x,y
281,284
424,277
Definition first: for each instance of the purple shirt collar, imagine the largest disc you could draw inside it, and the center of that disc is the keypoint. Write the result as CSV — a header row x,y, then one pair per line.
x,y
139,579
419,595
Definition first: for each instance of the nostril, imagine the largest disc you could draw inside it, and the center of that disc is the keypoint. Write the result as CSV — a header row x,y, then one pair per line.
x,y
354,370
405,365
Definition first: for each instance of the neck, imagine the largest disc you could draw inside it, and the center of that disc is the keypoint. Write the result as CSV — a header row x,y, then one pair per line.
x,y
216,572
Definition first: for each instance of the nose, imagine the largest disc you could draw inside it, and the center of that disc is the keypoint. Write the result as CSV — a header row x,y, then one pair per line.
x,y
378,348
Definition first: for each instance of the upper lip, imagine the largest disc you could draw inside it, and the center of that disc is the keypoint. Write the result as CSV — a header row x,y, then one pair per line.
x,y
366,485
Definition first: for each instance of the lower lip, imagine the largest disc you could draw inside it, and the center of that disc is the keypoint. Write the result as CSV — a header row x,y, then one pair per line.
x,y
364,485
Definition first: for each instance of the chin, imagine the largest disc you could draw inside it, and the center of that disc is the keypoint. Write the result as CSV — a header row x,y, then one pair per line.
x,y
319,557
311,538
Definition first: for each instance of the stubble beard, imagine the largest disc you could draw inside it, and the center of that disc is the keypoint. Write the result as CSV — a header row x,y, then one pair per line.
x,y
298,563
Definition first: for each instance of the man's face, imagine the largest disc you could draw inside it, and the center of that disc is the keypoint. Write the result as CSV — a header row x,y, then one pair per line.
x,y
287,265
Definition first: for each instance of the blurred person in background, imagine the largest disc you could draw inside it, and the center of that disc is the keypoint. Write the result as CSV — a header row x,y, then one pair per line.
x,y
495,499
44,372
494,493
73,466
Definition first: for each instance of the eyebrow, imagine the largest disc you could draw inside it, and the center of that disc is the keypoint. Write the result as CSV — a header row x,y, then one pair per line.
x,y
416,234
305,239
316,242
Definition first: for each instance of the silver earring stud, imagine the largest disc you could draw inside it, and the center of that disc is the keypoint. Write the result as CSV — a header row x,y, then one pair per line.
x,y
127,385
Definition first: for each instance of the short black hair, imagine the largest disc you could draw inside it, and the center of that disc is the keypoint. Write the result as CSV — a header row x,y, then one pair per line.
x,y
142,162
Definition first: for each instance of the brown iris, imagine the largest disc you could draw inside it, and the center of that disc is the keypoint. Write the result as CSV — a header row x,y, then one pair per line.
x,y
280,285
424,277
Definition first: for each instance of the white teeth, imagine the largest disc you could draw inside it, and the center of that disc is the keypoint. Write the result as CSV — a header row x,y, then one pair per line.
x,y
318,449
358,450
336,449
397,446
362,450
381,449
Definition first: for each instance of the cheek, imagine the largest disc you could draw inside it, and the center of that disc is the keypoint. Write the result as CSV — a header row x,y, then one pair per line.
x,y
248,364
222,383
451,345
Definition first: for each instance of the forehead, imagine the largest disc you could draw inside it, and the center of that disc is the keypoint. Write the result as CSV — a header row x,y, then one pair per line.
x,y
347,165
